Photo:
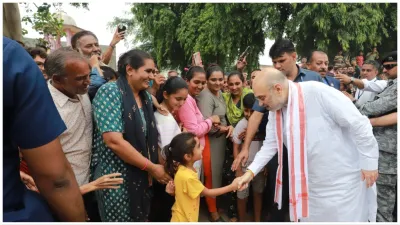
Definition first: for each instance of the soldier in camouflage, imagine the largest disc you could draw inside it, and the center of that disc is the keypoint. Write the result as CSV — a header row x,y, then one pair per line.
x,y
384,104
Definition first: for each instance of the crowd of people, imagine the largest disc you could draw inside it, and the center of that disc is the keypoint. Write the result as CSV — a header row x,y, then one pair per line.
x,y
308,142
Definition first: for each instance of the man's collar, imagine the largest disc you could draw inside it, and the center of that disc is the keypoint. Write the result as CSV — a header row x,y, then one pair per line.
x,y
394,81
300,71
58,97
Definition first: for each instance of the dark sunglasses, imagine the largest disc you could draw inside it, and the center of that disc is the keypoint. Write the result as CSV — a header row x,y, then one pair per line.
x,y
389,66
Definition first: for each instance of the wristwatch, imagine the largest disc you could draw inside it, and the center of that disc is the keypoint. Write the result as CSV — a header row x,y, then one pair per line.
x,y
351,80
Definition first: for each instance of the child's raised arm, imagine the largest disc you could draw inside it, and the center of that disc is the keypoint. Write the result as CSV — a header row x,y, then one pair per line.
x,y
220,191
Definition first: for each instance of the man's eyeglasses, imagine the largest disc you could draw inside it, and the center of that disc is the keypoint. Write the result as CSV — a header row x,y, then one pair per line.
x,y
389,66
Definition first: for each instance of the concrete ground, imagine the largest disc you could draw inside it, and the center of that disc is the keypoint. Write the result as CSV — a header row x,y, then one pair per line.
x,y
203,214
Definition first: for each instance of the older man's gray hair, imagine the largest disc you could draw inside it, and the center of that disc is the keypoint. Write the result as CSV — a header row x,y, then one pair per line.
x,y
56,61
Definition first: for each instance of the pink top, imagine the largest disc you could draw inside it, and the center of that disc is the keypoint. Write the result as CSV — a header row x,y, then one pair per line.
x,y
360,60
192,119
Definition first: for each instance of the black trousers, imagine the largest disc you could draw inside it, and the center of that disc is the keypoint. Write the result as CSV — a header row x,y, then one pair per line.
x,y
272,166
92,209
161,204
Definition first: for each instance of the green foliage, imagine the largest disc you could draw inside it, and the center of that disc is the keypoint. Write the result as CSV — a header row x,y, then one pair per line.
x,y
45,22
333,26
172,32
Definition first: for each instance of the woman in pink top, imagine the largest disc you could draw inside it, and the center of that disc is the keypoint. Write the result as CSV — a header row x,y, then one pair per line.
x,y
360,59
189,114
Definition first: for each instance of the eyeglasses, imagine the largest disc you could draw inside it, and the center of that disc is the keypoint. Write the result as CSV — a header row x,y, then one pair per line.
x,y
389,66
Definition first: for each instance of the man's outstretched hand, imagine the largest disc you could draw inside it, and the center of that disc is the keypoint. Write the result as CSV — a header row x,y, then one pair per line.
x,y
243,181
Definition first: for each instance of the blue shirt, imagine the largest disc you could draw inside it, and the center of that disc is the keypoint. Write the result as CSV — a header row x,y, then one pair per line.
x,y
95,83
303,75
30,120
331,81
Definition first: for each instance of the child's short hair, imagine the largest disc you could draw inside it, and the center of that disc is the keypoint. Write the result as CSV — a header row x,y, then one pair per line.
x,y
249,100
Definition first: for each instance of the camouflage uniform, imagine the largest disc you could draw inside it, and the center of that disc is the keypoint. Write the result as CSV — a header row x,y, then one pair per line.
x,y
385,103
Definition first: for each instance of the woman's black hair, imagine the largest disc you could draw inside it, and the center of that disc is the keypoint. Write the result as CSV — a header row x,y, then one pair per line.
x,y
213,68
181,144
135,58
173,85
109,73
192,70
236,73
248,101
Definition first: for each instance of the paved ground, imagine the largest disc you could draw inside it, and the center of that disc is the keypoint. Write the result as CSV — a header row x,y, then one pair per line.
x,y
203,215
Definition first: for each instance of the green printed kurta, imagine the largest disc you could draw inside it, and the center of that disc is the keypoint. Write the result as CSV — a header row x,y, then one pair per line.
x,y
114,204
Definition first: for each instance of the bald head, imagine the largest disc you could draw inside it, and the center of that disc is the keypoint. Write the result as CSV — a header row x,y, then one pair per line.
x,y
56,62
271,88
268,77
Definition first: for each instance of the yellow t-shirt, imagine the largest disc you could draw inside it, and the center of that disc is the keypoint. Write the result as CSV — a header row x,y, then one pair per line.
x,y
187,196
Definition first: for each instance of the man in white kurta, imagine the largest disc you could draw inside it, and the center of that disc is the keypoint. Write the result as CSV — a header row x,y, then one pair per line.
x,y
341,149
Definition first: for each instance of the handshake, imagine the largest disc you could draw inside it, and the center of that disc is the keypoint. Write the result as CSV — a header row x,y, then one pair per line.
x,y
242,182
239,184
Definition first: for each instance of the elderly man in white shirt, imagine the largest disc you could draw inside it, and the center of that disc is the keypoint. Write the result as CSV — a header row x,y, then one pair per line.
x,y
69,73
332,152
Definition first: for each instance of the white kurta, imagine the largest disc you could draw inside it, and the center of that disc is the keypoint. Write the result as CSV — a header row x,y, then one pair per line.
x,y
339,144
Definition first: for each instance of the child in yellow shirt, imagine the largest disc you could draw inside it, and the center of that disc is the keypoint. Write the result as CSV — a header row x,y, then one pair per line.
x,y
181,153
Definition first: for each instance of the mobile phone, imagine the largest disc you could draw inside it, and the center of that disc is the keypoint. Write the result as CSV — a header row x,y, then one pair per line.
x,y
121,28
245,53
197,59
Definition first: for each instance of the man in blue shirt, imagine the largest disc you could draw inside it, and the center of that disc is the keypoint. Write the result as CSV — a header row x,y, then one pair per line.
x,y
284,58
318,61
86,43
32,123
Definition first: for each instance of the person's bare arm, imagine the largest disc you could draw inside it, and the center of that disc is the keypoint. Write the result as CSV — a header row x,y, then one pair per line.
x,y
235,150
108,54
220,191
125,151
252,127
116,39
56,180
109,181
386,120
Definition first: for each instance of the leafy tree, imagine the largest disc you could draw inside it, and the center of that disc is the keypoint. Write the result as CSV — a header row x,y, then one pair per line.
x,y
45,22
333,26
172,32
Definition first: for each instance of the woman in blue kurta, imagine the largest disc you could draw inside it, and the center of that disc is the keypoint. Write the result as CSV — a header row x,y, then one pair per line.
x,y
125,140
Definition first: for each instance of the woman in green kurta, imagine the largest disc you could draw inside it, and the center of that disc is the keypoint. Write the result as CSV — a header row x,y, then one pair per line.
x,y
234,99
234,113
125,141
